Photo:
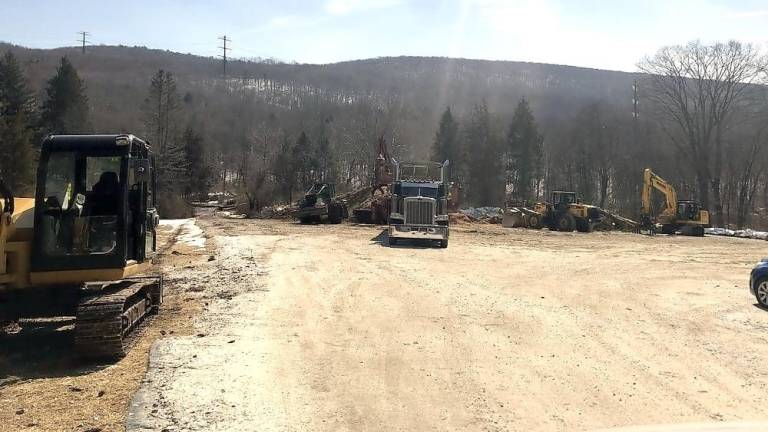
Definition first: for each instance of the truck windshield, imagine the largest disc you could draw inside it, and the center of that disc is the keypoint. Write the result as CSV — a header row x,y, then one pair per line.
x,y
413,191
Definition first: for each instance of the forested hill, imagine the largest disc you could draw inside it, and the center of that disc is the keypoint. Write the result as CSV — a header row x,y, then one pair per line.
x,y
409,92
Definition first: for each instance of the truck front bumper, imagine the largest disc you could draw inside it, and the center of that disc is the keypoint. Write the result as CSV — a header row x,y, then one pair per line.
x,y
427,232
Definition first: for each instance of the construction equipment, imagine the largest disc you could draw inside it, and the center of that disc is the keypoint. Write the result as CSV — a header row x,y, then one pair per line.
x,y
564,213
685,216
320,205
419,202
83,245
376,209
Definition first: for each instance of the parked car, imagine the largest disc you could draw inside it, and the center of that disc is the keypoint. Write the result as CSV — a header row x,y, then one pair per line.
x,y
758,282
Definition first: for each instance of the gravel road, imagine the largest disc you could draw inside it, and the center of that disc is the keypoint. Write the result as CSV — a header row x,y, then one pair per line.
x,y
325,328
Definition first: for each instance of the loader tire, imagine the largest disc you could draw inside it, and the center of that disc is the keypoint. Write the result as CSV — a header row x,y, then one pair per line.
x,y
534,222
583,225
566,222
335,213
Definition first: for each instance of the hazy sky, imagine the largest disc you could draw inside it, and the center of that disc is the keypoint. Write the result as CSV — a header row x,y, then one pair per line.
x,y
610,34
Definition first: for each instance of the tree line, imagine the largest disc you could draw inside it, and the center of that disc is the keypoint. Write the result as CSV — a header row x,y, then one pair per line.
x,y
701,124
698,120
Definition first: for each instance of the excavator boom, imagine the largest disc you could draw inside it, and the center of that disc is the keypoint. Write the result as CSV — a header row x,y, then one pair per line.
x,y
652,181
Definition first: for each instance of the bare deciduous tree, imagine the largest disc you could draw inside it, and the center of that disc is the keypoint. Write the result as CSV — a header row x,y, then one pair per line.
x,y
697,90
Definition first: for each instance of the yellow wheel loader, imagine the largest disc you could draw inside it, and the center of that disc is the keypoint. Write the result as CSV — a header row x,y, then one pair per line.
x,y
83,246
684,216
564,213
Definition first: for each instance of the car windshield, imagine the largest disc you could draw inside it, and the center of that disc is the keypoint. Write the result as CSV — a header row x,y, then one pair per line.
x,y
383,215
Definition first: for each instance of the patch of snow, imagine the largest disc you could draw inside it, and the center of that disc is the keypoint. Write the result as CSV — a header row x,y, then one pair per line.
x,y
744,233
189,233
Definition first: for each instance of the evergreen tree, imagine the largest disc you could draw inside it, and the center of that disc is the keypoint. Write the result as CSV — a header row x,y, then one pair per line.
x,y
199,170
285,168
302,160
485,180
446,144
15,95
524,153
17,157
65,110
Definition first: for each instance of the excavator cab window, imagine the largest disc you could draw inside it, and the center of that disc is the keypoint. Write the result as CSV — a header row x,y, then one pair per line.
x,y
82,202
687,210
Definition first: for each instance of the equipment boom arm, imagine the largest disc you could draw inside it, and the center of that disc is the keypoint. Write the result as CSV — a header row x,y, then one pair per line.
x,y
652,180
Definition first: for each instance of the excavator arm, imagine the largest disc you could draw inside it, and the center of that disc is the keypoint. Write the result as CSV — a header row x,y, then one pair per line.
x,y
652,181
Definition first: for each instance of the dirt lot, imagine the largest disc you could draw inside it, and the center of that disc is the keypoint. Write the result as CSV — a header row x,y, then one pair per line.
x,y
326,328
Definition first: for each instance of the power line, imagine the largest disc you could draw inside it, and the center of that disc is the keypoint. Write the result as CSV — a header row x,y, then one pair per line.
x,y
224,52
84,34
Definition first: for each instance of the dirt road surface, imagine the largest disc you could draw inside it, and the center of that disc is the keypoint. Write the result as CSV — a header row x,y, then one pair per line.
x,y
324,328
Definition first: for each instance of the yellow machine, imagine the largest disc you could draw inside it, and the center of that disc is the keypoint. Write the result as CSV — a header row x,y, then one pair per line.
x,y
83,245
685,216
564,213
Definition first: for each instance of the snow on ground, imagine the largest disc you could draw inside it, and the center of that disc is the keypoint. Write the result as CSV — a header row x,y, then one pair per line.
x,y
745,233
188,232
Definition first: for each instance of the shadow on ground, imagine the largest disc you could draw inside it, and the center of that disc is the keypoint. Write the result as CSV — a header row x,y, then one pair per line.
x,y
382,239
40,350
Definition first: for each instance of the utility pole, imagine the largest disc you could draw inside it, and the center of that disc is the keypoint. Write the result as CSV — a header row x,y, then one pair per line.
x,y
224,49
84,34
635,113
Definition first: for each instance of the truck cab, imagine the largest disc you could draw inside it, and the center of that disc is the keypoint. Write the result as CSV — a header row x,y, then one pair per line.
x,y
419,207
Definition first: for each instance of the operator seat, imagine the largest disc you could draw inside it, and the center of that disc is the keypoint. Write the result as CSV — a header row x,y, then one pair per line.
x,y
104,200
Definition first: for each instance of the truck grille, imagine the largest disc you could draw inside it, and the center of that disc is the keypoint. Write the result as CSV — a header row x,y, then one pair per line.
x,y
419,211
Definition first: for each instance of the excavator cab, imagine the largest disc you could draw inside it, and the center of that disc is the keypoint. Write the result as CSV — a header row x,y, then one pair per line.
x,y
688,210
95,203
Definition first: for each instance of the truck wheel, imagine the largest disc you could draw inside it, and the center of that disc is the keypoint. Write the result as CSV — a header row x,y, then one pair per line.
x,y
304,220
761,292
566,222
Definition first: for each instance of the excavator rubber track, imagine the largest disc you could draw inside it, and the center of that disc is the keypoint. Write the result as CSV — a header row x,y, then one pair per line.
x,y
110,312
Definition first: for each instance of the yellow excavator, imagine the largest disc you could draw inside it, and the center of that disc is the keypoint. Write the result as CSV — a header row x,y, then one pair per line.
x,y
83,246
684,216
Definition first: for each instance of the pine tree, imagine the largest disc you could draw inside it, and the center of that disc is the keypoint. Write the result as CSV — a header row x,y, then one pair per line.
x,y
302,160
17,157
285,168
199,170
65,110
446,144
485,180
15,95
524,152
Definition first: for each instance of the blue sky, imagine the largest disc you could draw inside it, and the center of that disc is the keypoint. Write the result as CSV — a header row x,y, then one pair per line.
x,y
591,33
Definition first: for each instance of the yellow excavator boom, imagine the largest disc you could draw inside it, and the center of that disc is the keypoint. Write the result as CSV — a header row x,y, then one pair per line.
x,y
651,181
